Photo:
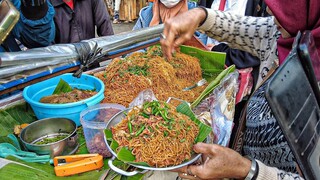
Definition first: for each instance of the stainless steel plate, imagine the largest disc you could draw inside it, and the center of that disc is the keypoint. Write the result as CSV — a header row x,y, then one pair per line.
x,y
117,119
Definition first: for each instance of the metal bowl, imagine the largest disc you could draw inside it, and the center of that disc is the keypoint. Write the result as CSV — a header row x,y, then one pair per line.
x,y
49,128
117,119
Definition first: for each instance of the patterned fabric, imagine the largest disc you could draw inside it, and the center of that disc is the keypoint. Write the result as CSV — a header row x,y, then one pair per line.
x,y
285,175
257,36
264,139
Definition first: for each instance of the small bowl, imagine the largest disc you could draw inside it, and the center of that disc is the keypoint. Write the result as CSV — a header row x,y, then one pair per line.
x,y
94,120
33,93
48,128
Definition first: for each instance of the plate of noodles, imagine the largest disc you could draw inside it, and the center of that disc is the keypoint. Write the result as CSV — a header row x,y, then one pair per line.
x,y
155,136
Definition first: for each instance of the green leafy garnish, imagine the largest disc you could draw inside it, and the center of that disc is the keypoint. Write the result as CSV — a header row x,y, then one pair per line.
x,y
51,139
139,70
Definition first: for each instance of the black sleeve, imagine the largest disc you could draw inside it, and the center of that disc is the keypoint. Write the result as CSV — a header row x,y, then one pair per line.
x,y
240,59
256,8
205,3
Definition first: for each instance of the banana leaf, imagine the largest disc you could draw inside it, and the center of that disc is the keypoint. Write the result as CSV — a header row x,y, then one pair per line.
x,y
62,87
38,171
204,130
213,68
212,63
15,115
213,84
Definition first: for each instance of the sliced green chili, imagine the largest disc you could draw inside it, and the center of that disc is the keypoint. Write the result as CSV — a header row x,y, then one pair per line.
x,y
150,129
145,115
140,130
130,126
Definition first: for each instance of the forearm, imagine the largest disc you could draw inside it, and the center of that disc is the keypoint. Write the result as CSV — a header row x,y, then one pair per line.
x,y
271,173
251,34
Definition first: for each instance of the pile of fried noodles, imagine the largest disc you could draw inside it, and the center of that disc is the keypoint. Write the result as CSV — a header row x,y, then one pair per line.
x,y
125,78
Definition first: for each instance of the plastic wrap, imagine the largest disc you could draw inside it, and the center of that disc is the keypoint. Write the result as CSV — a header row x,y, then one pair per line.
x,y
15,62
144,96
218,109
25,74
11,100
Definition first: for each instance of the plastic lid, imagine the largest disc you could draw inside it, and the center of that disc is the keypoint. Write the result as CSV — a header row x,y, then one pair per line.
x,y
97,116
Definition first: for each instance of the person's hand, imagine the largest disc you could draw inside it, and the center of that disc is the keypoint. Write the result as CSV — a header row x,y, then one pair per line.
x,y
210,46
180,29
218,162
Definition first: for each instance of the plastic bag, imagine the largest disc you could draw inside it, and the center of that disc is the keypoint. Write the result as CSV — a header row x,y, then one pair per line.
x,y
144,96
218,109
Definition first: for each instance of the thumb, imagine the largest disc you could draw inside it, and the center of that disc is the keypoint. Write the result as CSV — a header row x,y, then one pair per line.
x,y
197,170
181,39
204,148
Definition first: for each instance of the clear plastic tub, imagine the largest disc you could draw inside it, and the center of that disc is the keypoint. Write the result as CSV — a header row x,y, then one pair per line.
x,y
93,121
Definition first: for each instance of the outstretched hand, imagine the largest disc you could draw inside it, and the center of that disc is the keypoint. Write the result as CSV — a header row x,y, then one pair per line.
x,y
218,162
179,29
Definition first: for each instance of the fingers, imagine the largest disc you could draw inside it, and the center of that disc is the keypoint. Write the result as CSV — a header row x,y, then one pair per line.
x,y
187,176
195,172
175,36
187,173
179,29
182,169
171,42
181,39
166,43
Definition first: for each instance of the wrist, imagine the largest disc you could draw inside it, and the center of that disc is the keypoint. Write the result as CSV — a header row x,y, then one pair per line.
x,y
199,14
203,13
253,170
243,168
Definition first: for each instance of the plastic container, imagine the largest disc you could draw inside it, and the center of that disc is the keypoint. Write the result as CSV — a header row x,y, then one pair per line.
x,y
94,121
32,94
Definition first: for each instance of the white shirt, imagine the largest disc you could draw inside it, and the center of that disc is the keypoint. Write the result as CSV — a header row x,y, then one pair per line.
x,y
233,6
